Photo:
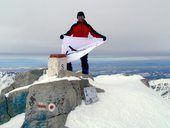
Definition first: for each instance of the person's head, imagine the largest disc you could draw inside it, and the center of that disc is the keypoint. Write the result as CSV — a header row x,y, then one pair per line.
x,y
80,16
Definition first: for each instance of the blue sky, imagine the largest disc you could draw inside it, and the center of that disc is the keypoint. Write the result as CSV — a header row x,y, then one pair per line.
x,y
132,27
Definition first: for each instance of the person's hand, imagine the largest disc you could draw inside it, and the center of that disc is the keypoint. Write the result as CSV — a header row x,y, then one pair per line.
x,y
104,38
61,37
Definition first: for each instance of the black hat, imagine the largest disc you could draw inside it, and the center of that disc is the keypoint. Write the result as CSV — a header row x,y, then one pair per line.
x,y
80,14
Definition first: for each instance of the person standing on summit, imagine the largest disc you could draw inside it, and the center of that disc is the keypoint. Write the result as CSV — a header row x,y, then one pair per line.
x,y
82,29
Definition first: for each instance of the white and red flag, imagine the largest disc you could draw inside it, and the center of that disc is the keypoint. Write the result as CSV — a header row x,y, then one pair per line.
x,y
77,47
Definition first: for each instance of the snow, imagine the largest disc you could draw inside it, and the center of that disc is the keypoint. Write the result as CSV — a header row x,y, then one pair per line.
x,y
126,103
160,81
6,79
44,79
161,86
15,122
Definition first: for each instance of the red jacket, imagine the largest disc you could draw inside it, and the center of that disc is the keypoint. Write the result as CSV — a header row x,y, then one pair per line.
x,y
82,29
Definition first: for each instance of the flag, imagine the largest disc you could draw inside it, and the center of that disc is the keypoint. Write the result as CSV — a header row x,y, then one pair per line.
x,y
77,47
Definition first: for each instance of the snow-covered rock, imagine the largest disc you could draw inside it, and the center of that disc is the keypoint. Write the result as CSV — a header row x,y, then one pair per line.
x,y
14,103
24,79
48,104
4,116
126,103
161,86
6,79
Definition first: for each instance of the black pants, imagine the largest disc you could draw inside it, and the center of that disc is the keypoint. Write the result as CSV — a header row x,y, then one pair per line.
x,y
84,65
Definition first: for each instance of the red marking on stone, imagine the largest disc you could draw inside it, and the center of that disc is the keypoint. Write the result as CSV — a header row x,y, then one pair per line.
x,y
57,55
51,107
41,106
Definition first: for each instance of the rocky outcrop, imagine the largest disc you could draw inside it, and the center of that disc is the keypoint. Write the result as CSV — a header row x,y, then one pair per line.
x,y
4,116
146,82
36,100
12,105
6,79
48,104
24,79
16,102
163,88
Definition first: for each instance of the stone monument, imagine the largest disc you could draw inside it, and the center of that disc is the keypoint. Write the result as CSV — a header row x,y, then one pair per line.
x,y
57,65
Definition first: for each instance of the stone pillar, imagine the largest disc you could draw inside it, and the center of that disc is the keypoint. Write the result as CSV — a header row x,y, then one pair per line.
x,y
57,63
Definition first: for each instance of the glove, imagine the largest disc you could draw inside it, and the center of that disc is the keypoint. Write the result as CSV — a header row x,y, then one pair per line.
x,y
104,38
61,37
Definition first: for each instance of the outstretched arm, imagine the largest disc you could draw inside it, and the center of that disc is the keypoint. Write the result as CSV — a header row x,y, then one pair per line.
x,y
69,32
96,34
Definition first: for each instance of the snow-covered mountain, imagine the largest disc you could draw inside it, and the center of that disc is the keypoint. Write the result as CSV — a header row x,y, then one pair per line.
x,y
6,79
126,103
161,86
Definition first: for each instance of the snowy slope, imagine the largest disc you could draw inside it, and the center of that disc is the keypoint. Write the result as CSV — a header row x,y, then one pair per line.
x,y
126,103
43,79
6,79
15,122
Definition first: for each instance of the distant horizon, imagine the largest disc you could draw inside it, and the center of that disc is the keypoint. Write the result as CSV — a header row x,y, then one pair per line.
x,y
152,67
91,54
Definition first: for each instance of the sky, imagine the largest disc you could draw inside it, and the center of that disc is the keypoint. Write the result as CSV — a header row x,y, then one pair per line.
x,y
132,27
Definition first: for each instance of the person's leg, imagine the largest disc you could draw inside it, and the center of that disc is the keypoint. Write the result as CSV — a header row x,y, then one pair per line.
x,y
84,64
69,67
